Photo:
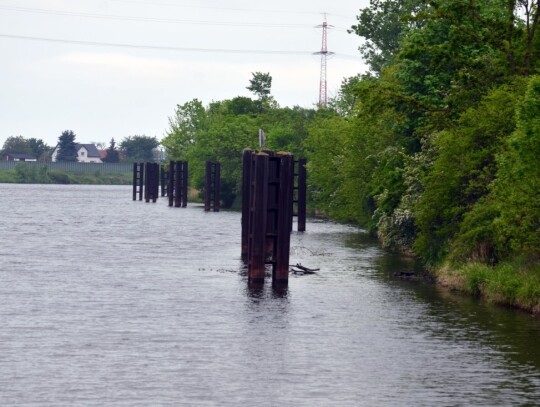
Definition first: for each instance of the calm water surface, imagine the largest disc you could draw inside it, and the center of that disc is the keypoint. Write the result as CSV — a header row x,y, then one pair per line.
x,y
109,302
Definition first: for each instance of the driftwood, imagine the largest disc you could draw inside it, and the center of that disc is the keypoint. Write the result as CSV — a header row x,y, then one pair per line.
x,y
298,268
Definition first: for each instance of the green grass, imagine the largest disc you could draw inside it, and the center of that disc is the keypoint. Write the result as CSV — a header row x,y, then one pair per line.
x,y
515,283
61,177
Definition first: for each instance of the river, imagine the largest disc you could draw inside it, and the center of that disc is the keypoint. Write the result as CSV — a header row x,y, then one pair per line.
x,y
109,302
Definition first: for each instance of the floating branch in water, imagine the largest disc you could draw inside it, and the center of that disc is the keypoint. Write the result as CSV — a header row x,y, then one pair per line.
x,y
298,268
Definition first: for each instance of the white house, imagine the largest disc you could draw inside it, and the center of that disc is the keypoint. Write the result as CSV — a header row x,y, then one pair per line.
x,y
86,153
20,157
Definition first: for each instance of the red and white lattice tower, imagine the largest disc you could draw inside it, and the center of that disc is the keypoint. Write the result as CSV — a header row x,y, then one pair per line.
x,y
323,85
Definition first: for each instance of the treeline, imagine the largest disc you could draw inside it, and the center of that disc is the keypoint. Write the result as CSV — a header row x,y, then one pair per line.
x,y
221,130
438,154
131,148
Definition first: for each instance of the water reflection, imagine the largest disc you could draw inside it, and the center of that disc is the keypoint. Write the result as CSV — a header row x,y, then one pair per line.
x,y
261,290
459,318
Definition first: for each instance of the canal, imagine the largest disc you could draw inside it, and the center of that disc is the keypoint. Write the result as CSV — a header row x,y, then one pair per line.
x,y
107,301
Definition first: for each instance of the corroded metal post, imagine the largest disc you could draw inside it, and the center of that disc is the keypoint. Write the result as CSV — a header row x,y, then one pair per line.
x,y
178,184
208,186
170,188
151,187
217,186
164,181
280,274
302,194
184,183
257,218
246,188
135,181
138,180
212,186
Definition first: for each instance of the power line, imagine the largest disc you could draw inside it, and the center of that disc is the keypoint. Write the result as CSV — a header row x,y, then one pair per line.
x,y
150,19
158,3
155,47
168,48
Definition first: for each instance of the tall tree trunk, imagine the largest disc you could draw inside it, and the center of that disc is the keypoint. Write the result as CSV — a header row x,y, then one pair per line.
x,y
531,31
510,8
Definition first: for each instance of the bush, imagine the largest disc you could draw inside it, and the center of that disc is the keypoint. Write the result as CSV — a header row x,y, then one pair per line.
x,y
59,177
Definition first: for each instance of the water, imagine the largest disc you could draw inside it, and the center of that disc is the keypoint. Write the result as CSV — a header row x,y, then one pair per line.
x,y
106,301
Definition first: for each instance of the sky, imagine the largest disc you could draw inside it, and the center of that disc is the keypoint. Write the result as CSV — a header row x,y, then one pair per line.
x,y
118,68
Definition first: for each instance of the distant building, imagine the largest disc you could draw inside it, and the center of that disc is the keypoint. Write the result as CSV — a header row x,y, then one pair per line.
x,y
86,153
20,157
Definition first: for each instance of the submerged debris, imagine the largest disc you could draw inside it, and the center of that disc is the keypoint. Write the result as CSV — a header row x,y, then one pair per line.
x,y
299,269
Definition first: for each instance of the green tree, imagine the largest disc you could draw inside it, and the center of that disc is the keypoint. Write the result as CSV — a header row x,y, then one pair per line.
x,y
382,24
139,148
260,85
517,188
39,149
67,150
113,156
189,121
16,145
463,171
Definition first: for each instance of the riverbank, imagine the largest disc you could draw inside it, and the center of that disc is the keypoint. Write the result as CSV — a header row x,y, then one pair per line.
x,y
43,175
515,284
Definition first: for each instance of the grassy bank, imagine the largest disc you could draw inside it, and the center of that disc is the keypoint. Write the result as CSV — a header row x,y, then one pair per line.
x,y
23,175
515,284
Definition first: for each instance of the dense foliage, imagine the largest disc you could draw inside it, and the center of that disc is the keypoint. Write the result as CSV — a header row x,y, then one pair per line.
x,y
138,148
438,154
220,132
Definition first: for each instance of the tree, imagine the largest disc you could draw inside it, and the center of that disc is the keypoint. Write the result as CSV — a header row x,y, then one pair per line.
x,y
462,173
113,155
260,85
67,150
517,188
16,145
39,149
189,121
101,145
382,24
139,148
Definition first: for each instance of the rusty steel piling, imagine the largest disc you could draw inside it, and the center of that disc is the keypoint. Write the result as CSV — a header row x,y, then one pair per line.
x,y
177,185
170,183
184,192
151,184
246,186
164,181
138,180
302,195
212,186
267,213
280,271
257,218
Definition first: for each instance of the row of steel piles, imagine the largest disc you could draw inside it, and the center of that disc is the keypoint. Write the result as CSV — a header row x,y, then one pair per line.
x,y
146,181
177,184
174,183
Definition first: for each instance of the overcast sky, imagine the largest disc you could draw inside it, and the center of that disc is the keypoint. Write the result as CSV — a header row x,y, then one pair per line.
x,y
117,68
